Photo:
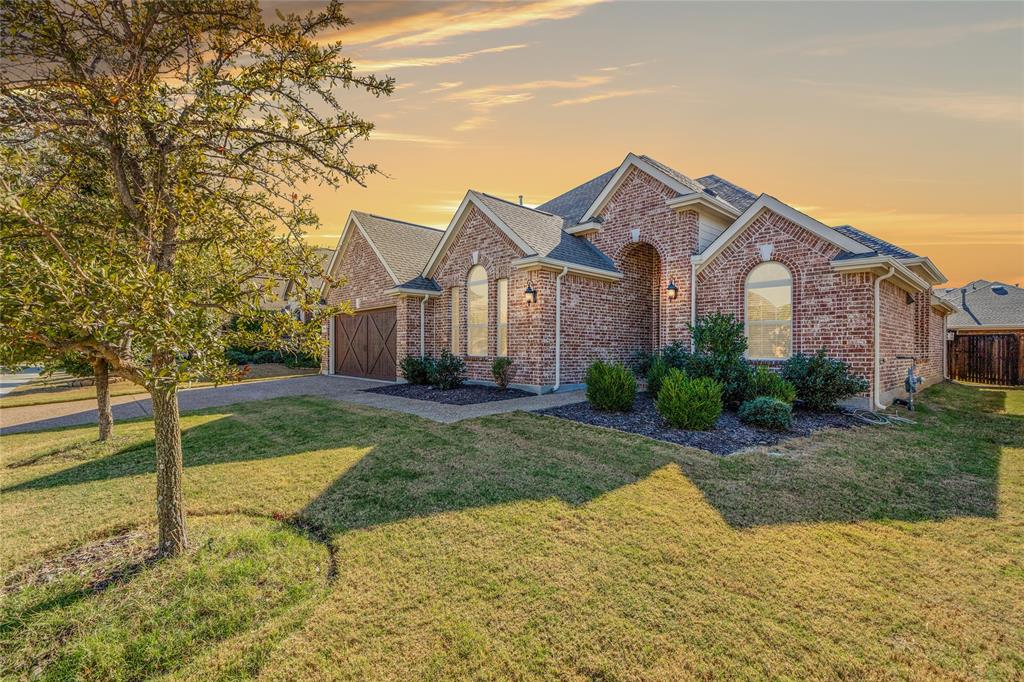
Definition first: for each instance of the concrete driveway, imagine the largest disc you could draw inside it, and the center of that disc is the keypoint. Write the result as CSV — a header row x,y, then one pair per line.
x,y
79,412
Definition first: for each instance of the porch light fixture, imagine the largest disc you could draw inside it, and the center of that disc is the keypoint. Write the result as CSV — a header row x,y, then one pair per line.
x,y
672,290
530,295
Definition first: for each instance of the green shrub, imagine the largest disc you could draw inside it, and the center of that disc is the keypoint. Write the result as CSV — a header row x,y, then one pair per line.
x,y
610,386
676,355
685,403
501,370
656,375
765,382
767,412
449,371
821,382
416,370
296,360
719,344
261,357
237,357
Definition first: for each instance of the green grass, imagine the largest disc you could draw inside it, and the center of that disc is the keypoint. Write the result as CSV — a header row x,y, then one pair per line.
x,y
521,546
62,388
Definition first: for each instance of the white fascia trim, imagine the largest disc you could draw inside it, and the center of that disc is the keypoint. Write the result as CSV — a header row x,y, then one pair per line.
x,y
770,203
409,291
900,271
934,274
704,200
456,224
632,160
590,226
943,304
555,264
341,242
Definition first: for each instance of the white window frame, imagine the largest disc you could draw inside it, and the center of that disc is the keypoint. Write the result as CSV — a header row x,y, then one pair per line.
x,y
479,327
746,312
502,322
456,320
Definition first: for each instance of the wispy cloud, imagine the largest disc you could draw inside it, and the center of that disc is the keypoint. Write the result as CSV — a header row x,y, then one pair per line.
x,y
419,62
481,101
444,85
903,38
391,25
625,67
981,107
600,96
390,136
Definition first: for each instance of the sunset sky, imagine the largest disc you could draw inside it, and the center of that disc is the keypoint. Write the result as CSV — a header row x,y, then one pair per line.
x,y
905,120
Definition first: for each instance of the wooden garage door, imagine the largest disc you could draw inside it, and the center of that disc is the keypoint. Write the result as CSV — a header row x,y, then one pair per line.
x,y
364,344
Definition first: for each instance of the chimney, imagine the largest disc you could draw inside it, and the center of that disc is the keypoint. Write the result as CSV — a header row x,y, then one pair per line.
x,y
520,199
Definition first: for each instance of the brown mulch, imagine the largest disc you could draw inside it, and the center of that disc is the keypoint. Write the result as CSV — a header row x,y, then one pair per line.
x,y
728,436
463,395
101,563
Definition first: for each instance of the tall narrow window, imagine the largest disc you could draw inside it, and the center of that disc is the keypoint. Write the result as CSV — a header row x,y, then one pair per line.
x,y
769,315
456,322
502,317
476,322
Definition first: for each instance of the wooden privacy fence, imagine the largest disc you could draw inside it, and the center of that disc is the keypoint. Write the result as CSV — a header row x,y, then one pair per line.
x,y
985,359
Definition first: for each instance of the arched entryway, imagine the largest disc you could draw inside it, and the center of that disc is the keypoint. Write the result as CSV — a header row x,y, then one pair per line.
x,y
641,296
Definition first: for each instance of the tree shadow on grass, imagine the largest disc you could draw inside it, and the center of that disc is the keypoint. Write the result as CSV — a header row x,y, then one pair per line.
x,y
946,466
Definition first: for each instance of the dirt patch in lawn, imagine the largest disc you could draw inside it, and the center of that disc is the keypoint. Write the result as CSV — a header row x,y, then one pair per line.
x,y
464,395
729,434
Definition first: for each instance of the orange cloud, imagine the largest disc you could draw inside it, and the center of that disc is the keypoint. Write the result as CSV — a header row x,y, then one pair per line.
x,y
415,62
611,94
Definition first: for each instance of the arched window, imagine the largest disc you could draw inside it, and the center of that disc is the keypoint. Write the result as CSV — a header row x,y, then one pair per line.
x,y
476,320
769,312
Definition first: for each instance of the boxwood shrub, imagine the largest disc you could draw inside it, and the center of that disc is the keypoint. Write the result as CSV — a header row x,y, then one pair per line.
x,y
685,403
501,370
765,382
820,381
767,412
449,371
610,386
656,375
417,370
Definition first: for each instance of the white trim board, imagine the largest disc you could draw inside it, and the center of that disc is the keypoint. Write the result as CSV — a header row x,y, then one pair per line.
x,y
770,203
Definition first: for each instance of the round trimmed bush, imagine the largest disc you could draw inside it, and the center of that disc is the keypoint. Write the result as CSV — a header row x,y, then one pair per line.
x,y
820,381
417,370
610,387
765,382
767,412
692,404
448,371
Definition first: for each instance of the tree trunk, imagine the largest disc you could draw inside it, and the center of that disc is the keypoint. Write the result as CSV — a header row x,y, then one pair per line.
x,y
170,506
101,372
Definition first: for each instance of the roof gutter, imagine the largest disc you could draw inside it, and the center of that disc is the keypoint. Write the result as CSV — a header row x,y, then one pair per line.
x,y
535,262
876,388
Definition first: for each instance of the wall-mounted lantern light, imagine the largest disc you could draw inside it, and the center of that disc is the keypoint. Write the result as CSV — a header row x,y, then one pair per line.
x,y
672,290
530,295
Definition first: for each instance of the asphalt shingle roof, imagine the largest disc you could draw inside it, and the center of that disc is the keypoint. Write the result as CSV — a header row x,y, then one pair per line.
x,y
543,233
405,247
734,194
573,204
983,303
879,246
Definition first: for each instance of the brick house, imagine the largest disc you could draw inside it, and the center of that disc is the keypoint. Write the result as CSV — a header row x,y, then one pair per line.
x,y
625,262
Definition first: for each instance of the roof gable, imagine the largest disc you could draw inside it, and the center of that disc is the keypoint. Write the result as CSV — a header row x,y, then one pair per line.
x,y
401,247
986,304
573,204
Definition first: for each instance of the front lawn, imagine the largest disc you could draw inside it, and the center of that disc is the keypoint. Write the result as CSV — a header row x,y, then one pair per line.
x,y
332,540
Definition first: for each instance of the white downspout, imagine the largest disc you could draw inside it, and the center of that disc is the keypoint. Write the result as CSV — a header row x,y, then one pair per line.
x,y
693,302
876,386
558,328
423,317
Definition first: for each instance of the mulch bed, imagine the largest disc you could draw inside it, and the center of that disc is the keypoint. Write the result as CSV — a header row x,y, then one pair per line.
x,y
729,434
464,395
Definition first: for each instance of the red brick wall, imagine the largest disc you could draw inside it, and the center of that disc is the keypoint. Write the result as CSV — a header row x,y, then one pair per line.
x,y
830,310
531,327
897,335
362,276
639,202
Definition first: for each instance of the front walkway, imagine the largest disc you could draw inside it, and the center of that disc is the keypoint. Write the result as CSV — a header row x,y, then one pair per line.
x,y
54,415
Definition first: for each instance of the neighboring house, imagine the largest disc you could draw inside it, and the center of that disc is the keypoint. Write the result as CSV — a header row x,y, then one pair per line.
x,y
983,308
625,262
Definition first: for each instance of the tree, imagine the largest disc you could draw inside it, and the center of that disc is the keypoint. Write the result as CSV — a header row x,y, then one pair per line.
x,y
205,117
